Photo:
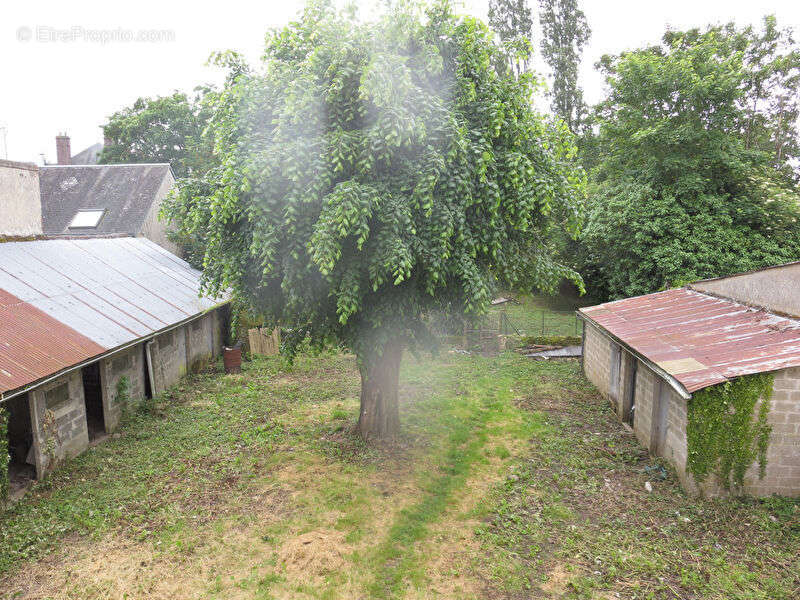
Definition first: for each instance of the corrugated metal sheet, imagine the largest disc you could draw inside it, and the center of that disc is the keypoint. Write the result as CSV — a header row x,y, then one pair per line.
x,y
65,301
698,339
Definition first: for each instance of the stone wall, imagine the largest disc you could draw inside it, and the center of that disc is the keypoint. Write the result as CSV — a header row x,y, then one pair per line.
x,y
128,363
20,204
58,419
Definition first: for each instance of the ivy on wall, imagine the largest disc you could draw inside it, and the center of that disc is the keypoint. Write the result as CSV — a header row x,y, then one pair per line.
x,y
5,459
723,434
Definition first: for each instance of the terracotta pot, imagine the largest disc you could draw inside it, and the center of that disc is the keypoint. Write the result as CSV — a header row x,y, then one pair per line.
x,y
232,359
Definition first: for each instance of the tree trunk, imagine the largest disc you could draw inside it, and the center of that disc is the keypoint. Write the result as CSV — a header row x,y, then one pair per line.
x,y
380,414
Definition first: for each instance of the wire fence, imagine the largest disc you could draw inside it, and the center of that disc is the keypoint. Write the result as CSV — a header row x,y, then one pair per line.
x,y
540,322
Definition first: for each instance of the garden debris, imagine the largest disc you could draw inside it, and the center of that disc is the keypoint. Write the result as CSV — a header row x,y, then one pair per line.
x,y
566,352
656,472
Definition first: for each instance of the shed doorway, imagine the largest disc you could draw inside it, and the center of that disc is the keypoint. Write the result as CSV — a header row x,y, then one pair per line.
x,y
629,392
148,389
93,397
21,468
614,385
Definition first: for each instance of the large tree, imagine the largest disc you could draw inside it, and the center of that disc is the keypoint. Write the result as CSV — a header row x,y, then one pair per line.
x,y
163,129
565,32
694,179
374,174
513,22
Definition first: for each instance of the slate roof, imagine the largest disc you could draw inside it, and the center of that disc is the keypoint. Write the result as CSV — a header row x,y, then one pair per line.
x,y
125,192
699,339
63,302
87,156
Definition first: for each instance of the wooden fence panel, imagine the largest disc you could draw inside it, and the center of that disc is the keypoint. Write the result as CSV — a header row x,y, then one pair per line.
x,y
263,341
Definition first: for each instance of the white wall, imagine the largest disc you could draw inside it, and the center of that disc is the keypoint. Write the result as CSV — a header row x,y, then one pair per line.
x,y
775,289
20,203
154,229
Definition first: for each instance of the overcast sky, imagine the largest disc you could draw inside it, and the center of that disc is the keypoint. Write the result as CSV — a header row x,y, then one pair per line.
x,y
66,66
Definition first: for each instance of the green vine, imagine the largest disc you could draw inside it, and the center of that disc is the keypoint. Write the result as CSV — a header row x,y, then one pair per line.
x,y
5,458
722,434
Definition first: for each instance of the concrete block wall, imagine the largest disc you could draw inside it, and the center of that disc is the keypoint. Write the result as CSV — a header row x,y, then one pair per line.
x,y
128,363
597,358
646,395
58,420
199,341
783,454
627,362
168,353
217,331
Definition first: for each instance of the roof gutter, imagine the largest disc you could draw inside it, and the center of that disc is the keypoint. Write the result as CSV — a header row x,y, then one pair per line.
x,y
674,383
148,338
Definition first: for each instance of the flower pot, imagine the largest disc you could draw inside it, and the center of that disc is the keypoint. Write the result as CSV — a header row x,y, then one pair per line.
x,y
232,359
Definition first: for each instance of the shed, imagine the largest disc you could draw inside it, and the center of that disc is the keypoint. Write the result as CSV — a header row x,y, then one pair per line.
x,y
649,354
78,315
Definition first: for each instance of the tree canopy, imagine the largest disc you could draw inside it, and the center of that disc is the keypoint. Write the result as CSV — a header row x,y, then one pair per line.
x,y
694,179
565,32
513,22
162,129
372,174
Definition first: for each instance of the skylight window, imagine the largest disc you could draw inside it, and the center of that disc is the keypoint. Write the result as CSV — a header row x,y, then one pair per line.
x,y
86,218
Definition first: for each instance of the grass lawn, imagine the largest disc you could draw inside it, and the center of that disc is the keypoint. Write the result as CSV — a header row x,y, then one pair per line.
x,y
545,316
512,480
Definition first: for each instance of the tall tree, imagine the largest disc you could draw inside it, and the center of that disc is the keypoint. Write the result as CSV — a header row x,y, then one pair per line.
x,y
690,184
163,129
512,21
565,32
375,173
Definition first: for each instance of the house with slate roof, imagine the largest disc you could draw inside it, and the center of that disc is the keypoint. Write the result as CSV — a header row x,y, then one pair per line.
x,y
104,200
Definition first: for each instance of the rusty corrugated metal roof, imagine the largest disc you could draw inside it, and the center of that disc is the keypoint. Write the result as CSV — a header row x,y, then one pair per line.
x,y
698,339
66,301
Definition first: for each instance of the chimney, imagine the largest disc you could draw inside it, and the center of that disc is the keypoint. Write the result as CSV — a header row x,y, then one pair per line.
x,y
63,154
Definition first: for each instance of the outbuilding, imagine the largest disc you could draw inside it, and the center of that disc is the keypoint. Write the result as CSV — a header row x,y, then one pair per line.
x,y
89,328
661,359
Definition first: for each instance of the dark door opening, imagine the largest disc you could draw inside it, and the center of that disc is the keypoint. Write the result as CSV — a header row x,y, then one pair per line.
x,y
21,468
629,404
148,390
93,396
616,360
